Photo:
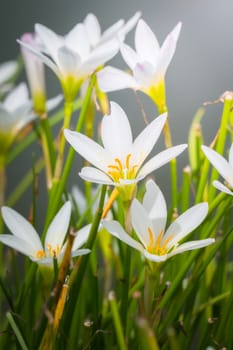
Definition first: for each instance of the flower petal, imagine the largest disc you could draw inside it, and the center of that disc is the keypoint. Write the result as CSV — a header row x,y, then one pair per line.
x,y
95,175
146,43
19,244
17,97
146,140
129,25
89,149
21,228
154,257
53,102
222,187
112,31
155,205
130,56
113,79
141,223
80,252
144,74
50,39
93,29
231,156
68,61
186,223
220,164
116,132
81,237
58,227
117,231
191,246
7,70
160,159
77,41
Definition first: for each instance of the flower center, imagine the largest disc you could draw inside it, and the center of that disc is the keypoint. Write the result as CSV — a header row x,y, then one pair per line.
x,y
40,254
158,246
122,170
54,251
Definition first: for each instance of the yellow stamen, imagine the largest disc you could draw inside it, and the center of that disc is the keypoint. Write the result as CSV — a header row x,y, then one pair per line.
x,y
120,171
159,247
40,254
54,252
110,202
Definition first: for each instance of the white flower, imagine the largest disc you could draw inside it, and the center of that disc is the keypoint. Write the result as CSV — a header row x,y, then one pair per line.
x,y
148,64
26,240
224,167
120,161
7,71
149,221
75,56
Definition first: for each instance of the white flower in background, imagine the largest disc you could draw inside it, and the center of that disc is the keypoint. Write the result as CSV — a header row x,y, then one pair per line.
x,y
75,56
27,241
149,221
7,71
35,72
120,161
224,167
148,64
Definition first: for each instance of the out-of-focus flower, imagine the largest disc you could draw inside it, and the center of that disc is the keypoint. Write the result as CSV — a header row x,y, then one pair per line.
x,y
35,72
149,221
26,240
7,71
224,167
120,161
75,56
148,65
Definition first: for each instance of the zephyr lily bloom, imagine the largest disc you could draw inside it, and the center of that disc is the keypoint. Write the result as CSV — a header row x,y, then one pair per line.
x,y
224,167
7,71
120,161
148,65
26,240
75,56
149,221
35,72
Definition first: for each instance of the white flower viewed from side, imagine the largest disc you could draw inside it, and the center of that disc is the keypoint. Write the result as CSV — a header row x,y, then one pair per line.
x,y
120,161
224,167
148,64
75,56
7,71
26,240
149,221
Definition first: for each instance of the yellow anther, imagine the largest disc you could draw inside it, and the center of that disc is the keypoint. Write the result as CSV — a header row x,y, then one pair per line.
x,y
159,246
40,254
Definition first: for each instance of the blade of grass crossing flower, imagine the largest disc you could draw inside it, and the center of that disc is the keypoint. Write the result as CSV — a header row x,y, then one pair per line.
x,y
16,331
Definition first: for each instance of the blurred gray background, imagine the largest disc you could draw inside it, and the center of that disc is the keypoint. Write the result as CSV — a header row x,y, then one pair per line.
x,y
201,69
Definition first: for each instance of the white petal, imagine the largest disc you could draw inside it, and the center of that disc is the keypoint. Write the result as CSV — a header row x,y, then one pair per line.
x,y
141,222
81,237
77,40
24,117
146,43
94,175
144,74
154,257
117,231
51,40
155,205
222,187
223,167
88,149
19,244
168,49
146,140
130,56
160,159
231,156
112,31
7,70
113,79
52,103
17,97
191,246
58,227
100,55
129,25
93,29
80,252
7,123
186,223
68,61
21,228
43,58
116,132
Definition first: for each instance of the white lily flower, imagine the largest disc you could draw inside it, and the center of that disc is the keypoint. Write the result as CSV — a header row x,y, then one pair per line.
x,y
224,167
148,64
149,221
120,161
75,56
7,71
26,240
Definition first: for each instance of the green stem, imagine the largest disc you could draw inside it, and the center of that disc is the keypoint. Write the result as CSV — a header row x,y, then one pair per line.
x,y
117,321
185,190
16,331
2,192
